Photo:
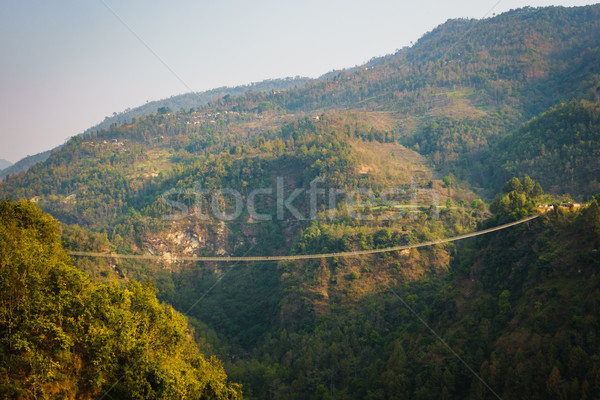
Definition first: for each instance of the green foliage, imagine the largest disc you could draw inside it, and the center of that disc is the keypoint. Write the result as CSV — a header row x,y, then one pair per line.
x,y
447,181
513,185
330,329
63,336
559,149
519,199
544,281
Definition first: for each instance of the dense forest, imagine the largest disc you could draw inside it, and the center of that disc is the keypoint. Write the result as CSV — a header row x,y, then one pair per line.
x,y
526,321
478,124
64,336
559,148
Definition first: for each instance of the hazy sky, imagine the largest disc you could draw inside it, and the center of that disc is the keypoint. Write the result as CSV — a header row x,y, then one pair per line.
x,y
66,64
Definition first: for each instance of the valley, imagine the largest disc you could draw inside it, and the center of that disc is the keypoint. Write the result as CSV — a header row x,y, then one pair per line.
x,y
283,230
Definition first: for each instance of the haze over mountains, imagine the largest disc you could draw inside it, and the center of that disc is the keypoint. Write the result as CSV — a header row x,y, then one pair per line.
x,y
189,100
464,130
194,100
4,164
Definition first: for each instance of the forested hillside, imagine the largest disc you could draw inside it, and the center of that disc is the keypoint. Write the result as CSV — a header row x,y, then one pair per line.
x,y
66,337
560,149
409,148
195,100
24,164
518,306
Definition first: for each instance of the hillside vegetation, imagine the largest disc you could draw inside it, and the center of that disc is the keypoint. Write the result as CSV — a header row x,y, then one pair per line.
x,y
24,164
405,149
560,149
66,337
194,100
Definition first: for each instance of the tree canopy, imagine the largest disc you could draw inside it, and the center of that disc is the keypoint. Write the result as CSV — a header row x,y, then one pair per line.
x,y
62,336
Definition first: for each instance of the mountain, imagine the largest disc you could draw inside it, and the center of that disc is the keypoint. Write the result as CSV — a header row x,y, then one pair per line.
x,y
559,149
24,164
451,98
184,101
4,164
483,78
195,100
517,307
403,150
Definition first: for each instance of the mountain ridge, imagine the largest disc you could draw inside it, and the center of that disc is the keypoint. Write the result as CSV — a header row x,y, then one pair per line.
x,y
394,153
25,163
176,102
195,99
4,164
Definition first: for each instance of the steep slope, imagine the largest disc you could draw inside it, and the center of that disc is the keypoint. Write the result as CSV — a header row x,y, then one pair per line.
x,y
63,336
172,183
530,297
466,84
560,149
518,306
504,59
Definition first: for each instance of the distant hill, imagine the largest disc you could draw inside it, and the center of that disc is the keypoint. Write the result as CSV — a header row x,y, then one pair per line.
x,y
24,164
194,100
4,164
174,103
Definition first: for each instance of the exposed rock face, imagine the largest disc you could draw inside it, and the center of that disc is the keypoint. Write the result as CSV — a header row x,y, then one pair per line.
x,y
189,241
191,237
221,239
182,238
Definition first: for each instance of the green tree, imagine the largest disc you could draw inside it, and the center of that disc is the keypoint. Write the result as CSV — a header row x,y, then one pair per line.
x,y
447,181
62,336
504,302
537,191
528,186
513,185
